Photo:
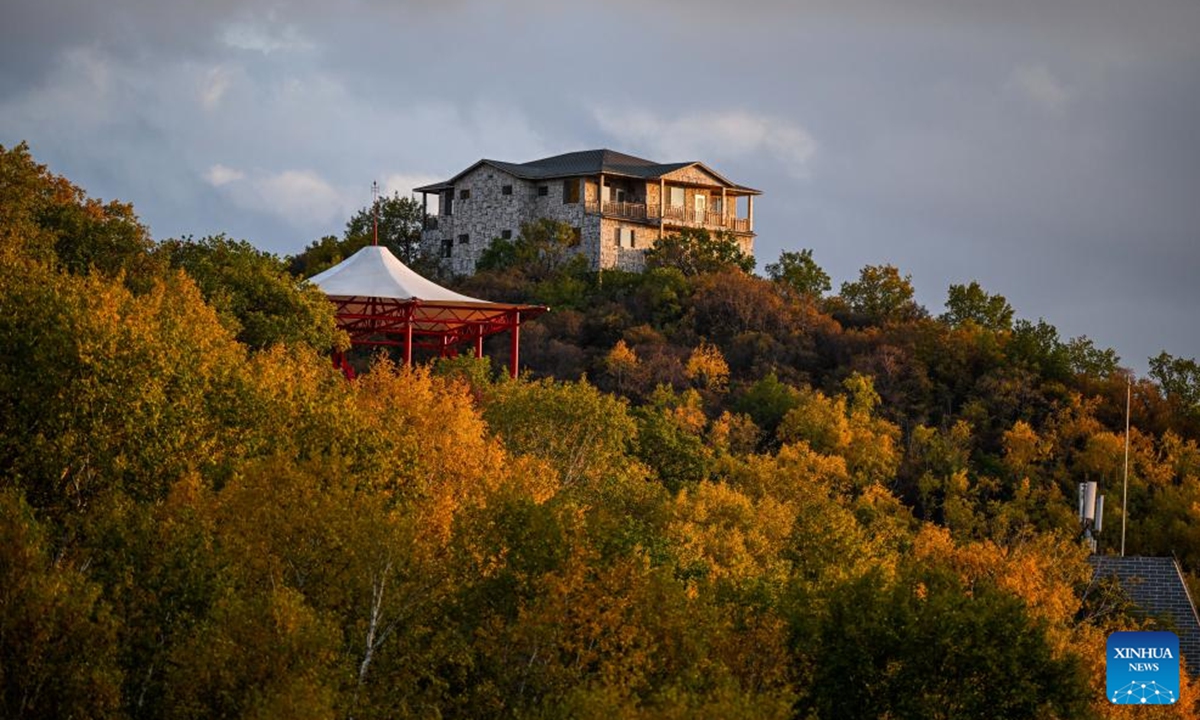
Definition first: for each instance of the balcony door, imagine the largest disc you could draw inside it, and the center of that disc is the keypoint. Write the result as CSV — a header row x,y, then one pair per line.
x,y
701,207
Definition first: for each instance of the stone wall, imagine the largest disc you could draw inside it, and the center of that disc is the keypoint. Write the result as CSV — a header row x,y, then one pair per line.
x,y
612,255
693,175
488,212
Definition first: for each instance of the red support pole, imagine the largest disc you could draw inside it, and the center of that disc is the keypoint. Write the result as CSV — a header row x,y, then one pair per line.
x,y
515,348
408,341
479,342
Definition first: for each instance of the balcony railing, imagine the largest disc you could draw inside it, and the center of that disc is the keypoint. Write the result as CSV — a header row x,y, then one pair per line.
x,y
676,215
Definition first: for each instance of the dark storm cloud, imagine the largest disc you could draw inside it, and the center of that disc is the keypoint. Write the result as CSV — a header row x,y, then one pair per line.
x,y
1046,149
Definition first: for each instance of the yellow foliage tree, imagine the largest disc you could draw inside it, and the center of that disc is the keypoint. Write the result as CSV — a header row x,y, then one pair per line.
x,y
706,367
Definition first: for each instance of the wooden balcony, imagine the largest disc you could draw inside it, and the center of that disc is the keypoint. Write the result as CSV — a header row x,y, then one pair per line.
x,y
670,215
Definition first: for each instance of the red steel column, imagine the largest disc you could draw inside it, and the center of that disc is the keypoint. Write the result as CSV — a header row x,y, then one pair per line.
x,y
408,339
515,349
479,342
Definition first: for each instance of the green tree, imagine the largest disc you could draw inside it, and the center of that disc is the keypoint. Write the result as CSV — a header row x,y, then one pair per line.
x,y
925,647
255,296
799,275
767,401
1179,379
669,442
401,221
971,304
1087,359
695,251
530,417
58,640
105,388
881,295
320,255
545,248
45,217
1039,348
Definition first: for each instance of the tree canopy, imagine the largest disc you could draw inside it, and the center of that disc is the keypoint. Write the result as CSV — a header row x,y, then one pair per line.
x,y
709,495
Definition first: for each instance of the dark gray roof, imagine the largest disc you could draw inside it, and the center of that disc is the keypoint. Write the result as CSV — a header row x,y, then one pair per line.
x,y
584,162
1155,584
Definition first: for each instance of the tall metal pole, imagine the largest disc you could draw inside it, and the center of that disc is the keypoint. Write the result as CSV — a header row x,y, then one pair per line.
x,y
1125,485
515,345
375,209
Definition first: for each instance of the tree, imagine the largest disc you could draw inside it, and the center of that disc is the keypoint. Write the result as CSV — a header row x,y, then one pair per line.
x,y
1179,379
58,640
44,216
530,417
881,295
706,367
665,442
544,248
622,365
1039,347
253,293
768,401
695,251
320,255
1087,359
105,388
798,275
970,304
401,221
926,647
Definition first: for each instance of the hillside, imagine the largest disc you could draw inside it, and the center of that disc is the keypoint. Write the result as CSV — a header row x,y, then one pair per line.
x,y
713,494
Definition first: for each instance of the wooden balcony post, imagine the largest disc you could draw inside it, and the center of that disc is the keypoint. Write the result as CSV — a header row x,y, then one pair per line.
x,y
750,211
662,205
724,213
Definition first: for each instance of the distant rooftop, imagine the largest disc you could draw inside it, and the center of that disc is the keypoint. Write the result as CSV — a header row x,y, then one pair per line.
x,y
585,162
1155,584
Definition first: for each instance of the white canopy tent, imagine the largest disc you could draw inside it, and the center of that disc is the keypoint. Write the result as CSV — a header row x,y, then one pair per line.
x,y
381,301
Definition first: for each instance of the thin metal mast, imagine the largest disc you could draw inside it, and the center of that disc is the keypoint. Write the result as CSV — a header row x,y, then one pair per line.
x,y
375,209
1125,485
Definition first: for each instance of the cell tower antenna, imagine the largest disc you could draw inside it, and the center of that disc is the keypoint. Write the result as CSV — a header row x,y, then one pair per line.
x,y
375,209
1091,512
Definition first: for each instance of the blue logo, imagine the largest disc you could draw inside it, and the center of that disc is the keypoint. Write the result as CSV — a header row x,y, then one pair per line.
x,y
1143,668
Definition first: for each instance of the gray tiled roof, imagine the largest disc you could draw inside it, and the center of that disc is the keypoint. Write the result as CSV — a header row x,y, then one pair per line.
x,y
1156,585
583,162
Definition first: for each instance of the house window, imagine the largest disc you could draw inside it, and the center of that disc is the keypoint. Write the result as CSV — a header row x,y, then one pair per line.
x,y
506,234
625,238
506,189
543,190
447,248
571,191
576,235
464,194
676,197
464,239
449,196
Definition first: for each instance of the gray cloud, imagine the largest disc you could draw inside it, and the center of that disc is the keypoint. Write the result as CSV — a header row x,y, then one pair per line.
x,y
1044,148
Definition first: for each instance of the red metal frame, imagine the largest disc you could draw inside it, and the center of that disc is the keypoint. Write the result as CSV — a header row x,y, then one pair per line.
x,y
373,321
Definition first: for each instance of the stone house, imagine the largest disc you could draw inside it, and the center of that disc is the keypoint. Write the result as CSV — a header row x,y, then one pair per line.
x,y
619,205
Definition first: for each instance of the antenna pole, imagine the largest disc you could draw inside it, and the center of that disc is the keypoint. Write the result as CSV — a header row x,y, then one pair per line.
x,y
375,209
1125,484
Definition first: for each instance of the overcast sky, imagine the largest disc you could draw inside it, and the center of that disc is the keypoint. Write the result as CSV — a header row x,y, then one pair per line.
x,y
1048,149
